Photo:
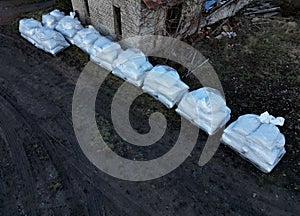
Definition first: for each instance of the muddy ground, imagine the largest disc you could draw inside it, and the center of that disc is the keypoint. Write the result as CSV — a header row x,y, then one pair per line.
x,y
44,172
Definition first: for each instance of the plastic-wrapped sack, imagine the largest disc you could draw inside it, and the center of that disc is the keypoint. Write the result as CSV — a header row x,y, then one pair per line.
x,y
85,38
42,37
104,52
50,41
28,28
206,108
132,65
51,19
165,85
258,139
68,26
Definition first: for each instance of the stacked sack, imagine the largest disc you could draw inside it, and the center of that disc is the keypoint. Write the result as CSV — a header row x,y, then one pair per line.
x,y
68,26
51,19
205,108
28,28
85,38
165,85
132,65
104,52
258,139
42,37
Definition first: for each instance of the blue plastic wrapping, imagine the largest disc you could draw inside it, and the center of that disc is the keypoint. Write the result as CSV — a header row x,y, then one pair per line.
x,y
165,85
256,140
132,65
206,108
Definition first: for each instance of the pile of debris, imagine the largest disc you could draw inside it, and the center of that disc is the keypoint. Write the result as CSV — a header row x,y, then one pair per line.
x,y
262,9
257,12
212,5
225,30
257,140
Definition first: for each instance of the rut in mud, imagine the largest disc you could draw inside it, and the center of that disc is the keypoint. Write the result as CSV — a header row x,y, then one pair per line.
x,y
44,172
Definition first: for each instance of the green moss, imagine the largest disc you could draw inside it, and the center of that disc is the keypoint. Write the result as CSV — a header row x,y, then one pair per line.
x,y
55,186
64,5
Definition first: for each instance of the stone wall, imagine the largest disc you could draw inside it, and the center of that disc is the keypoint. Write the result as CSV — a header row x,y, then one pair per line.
x,y
152,21
102,16
137,19
131,17
81,7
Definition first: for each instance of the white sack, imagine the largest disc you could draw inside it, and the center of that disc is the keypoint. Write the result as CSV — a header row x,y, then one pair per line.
x,y
42,37
165,85
85,38
104,52
68,26
28,27
258,139
57,14
51,19
132,65
50,40
206,108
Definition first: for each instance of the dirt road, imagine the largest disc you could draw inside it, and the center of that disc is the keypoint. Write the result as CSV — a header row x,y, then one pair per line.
x,y
11,9
44,172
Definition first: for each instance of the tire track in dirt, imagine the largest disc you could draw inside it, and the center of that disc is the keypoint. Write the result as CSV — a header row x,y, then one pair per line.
x,y
39,88
97,187
9,124
7,199
57,135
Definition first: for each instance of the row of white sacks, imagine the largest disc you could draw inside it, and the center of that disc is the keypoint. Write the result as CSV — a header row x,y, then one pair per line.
x,y
205,107
42,37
